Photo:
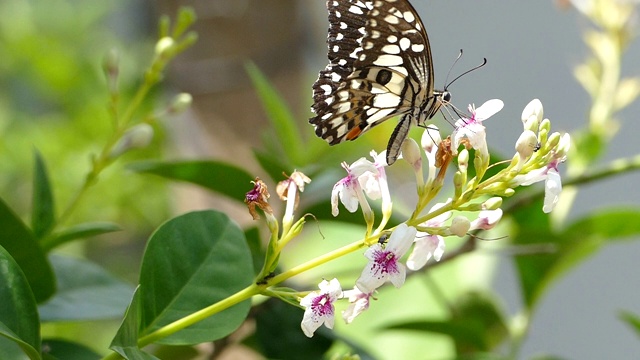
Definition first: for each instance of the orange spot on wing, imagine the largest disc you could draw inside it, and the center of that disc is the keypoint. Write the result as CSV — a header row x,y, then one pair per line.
x,y
354,133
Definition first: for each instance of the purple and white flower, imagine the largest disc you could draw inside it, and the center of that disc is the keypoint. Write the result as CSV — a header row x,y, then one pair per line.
x,y
319,307
472,131
384,263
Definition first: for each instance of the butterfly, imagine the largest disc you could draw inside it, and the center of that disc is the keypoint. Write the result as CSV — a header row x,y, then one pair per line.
x,y
379,67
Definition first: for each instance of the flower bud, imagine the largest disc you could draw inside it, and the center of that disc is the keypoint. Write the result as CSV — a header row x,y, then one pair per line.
x,y
137,137
564,145
430,139
553,141
532,115
411,153
459,226
492,204
526,144
463,160
180,103
163,45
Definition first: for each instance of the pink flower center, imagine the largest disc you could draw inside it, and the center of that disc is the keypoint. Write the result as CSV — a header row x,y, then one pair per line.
x,y
322,305
385,262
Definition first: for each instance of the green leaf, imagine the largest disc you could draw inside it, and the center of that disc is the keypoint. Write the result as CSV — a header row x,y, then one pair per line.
x,y
43,210
223,178
565,249
477,325
18,313
271,164
279,335
65,350
85,292
282,120
125,342
16,239
191,262
632,320
255,245
80,231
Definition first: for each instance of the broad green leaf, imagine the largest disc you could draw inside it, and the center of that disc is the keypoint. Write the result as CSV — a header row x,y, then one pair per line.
x,y
18,313
125,342
279,335
85,292
9,349
570,247
66,350
43,210
632,320
79,231
282,120
191,262
16,239
223,178
255,245
477,325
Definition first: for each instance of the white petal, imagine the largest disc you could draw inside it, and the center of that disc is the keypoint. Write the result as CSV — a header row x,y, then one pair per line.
x,y
310,323
401,239
488,109
397,278
422,252
533,108
349,197
368,281
552,189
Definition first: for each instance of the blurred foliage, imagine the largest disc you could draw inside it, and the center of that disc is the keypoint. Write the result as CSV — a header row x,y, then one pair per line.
x,y
54,99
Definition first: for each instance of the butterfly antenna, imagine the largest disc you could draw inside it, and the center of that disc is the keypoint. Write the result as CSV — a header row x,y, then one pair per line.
x,y
451,68
484,62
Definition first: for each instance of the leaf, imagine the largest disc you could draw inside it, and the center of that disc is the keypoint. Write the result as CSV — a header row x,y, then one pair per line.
x,y
43,210
80,231
282,120
125,342
191,262
271,164
279,335
477,325
66,350
18,313
18,241
85,292
223,178
567,248
255,245
631,319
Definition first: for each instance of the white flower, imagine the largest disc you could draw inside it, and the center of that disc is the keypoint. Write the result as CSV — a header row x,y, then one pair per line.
x,y
427,245
385,263
348,189
359,302
472,129
550,175
430,141
319,306
486,220
374,183
460,225
363,176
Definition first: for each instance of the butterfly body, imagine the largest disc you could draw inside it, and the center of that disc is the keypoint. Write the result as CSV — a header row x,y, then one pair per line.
x,y
379,67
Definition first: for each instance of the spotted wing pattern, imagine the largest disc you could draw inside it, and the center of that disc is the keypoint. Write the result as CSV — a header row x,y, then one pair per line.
x,y
379,67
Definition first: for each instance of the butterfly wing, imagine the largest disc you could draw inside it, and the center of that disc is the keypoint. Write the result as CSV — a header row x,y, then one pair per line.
x,y
379,66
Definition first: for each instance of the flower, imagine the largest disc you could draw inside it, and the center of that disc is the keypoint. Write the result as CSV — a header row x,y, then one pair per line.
x,y
319,306
359,302
471,131
384,262
427,245
258,196
363,176
486,220
430,142
288,191
548,173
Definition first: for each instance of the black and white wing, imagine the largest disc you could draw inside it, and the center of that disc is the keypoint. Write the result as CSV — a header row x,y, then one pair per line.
x,y
379,67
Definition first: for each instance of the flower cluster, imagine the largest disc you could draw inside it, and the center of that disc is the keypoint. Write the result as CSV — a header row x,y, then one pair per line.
x,y
474,204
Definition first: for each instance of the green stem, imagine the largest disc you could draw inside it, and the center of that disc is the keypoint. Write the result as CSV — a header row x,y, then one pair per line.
x,y
317,262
